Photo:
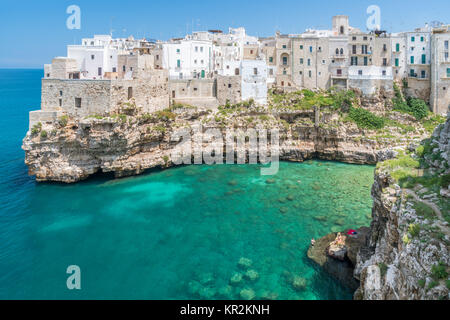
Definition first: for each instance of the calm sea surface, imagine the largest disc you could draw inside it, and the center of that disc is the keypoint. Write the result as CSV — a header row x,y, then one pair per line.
x,y
177,234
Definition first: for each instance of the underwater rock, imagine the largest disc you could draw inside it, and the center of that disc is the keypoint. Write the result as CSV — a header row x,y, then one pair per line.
x,y
207,278
282,200
321,218
271,181
194,288
291,197
232,183
207,293
336,229
284,210
236,279
247,294
340,222
226,292
252,275
245,263
267,295
299,283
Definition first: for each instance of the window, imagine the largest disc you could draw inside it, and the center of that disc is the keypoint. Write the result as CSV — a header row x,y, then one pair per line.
x,y
423,74
412,59
448,72
422,39
130,93
92,57
284,46
413,39
342,51
178,50
384,62
271,72
354,49
114,69
60,102
255,71
124,68
412,73
446,56
360,72
229,86
310,73
301,60
236,71
78,102
339,72
397,62
364,49
195,61
309,62
365,61
178,63
354,38
446,45
397,47
365,38
285,61
354,61
60,93
301,47
337,51
201,49
270,59
251,51
342,29
99,71
284,72
384,47
424,59
323,62
310,49
384,73
196,49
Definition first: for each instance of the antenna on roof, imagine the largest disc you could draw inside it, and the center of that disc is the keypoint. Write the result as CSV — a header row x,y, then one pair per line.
x,y
111,27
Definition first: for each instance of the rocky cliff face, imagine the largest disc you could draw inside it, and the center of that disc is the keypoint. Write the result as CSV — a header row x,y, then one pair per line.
x,y
70,151
407,252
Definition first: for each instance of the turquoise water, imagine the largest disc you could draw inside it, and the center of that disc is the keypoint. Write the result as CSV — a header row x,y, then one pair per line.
x,y
176,234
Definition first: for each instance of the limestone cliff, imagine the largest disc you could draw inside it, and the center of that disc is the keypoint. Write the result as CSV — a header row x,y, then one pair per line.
x,y
71,150
407,253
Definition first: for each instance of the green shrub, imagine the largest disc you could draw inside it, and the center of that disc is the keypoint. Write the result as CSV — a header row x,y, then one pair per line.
x,y
44,134
166,115
414,230
447,283
445,181
418,108
383,269
433,284
366,119
63,121
439,271
421,283
36,128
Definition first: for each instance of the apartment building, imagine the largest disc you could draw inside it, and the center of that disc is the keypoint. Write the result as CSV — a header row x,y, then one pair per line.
x,y
440,70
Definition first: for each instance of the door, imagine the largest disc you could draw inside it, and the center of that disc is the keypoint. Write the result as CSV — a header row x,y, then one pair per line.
x,y
203,73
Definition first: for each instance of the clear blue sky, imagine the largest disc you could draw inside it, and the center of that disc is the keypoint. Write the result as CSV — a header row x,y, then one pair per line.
x,y
33,32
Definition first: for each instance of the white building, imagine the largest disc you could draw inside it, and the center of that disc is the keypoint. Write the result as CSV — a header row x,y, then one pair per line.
x,y
254,80
188,58
97,56
440,70
418,53
398,58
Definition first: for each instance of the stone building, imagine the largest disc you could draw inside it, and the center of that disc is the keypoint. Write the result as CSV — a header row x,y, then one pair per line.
x,y
283,51
268,51
440,70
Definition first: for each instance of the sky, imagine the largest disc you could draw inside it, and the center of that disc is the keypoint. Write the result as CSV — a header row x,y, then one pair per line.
x,y
33,32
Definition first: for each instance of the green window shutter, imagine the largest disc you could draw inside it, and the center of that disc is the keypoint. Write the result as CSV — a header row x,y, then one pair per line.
x,y
448,72
301,47
422,39
396,62
424,59
397,47
178,63
270,59
413,39
301,60
412,59
412,73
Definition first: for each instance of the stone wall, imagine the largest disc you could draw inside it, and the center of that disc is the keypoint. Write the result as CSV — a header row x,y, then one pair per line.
x,y
229,89
371,86
95,96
